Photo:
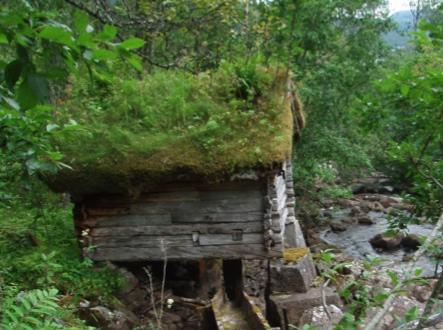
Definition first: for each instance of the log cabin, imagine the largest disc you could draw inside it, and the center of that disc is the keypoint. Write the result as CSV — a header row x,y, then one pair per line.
x,y
233,199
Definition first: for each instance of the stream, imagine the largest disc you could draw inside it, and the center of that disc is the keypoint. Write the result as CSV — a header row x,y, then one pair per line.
x,y
354,241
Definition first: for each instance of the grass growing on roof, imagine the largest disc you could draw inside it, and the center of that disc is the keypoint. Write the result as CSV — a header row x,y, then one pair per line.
x,y
169,121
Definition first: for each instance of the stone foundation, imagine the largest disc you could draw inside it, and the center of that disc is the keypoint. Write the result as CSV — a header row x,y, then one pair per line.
x,y
286,309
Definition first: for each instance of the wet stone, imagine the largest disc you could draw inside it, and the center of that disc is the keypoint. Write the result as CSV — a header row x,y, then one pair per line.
x,y
411,242
292,277
287,309
104,318
365,220
338,226
386,242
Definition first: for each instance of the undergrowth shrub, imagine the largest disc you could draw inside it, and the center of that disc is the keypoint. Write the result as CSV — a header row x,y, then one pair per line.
x,y
40,263
37,309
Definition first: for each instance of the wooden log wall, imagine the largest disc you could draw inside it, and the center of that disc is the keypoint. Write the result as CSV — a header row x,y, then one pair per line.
x,y
186,221
293,235
276,211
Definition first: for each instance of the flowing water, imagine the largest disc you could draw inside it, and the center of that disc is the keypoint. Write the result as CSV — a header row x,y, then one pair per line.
x,y
355,242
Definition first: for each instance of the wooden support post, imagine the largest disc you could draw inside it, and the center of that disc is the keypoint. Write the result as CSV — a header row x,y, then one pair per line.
x,y
210,277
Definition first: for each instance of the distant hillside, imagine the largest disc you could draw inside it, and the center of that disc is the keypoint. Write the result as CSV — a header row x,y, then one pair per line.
x,y
399,36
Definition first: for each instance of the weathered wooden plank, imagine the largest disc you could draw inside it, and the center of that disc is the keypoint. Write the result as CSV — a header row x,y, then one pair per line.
x,y
231,195
216,217
174,241
236,205
254,315
279,214
178,196
228,185
282,202
280,186
227,239
290,202
202,228
107,211
278,221
143,241
251,251
209,206
278,204
170,196
129,220
180,191
170,219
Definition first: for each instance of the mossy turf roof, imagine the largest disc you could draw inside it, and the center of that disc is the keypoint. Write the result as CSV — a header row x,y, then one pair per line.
x,y
170,125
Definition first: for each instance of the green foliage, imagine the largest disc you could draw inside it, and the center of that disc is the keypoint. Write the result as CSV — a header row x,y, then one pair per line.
x,y
336,191
334,58
39,250
399,223
38,53
37,38
405,109
37,309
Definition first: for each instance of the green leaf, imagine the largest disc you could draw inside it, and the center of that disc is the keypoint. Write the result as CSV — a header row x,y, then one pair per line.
x,y
132,43
57,34
55,155
86,40
412,314
3,39
23,40
81,21
135,61
404,89
11,102
418,271
104,54
108,33
381,297
32,91
12,72
33,320
394,277
12,317
26,304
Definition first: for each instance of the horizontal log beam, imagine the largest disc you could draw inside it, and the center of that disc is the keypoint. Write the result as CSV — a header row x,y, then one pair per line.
x,y
216,228
251,251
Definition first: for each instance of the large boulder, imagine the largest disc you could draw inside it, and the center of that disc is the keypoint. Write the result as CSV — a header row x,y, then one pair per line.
x,y
293,277
365,220
411,242
386,242
287,309
338,226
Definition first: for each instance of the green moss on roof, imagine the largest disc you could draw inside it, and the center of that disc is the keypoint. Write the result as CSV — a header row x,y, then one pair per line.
x,y
133,132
